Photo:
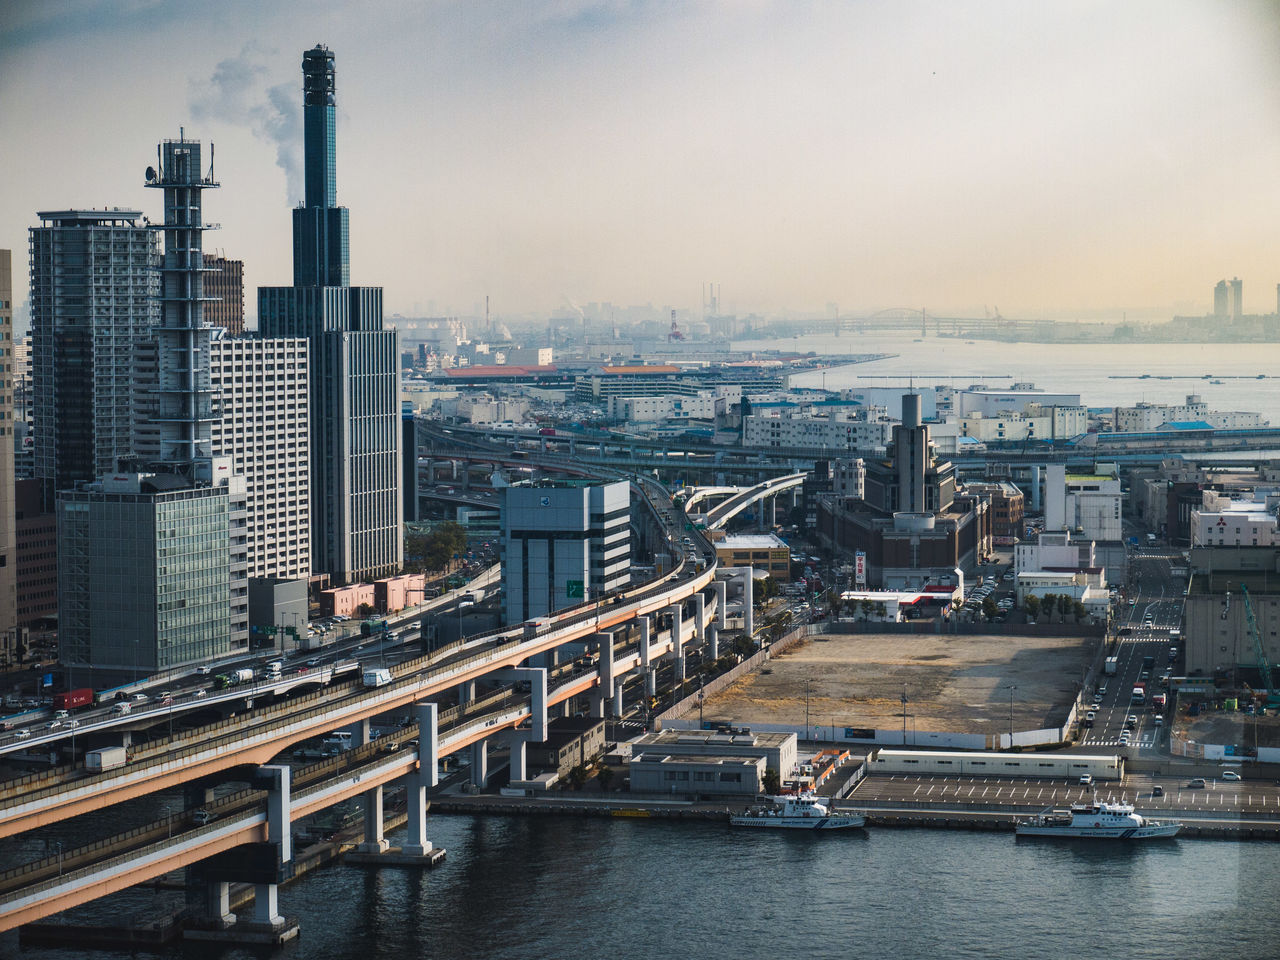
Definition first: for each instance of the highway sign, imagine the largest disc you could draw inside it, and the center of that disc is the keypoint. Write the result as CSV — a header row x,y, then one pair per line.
x,y
574,589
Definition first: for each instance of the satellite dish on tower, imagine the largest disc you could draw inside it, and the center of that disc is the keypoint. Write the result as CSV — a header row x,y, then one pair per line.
x,y
151,174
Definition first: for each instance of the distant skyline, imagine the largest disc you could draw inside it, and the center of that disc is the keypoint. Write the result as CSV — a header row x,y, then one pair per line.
x,y
1057,160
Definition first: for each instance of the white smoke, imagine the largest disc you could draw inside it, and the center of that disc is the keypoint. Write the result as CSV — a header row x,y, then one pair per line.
x,y
237,93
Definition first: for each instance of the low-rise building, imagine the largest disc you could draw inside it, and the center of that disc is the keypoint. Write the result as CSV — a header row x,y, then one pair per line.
x,y
1146,417
779,750
1216,634
764,551
696,776
571,742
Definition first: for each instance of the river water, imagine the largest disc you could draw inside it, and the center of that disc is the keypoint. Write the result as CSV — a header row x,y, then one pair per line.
x,y
1104,375
596,888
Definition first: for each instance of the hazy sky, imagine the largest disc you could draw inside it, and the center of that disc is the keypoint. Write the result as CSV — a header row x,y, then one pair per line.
x,y
1049,158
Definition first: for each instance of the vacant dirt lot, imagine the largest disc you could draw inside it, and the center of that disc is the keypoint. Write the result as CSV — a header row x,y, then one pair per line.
x,y
1242,730
953,683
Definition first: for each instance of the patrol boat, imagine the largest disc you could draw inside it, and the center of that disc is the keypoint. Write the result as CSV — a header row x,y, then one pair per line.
x,y
798,813
1104,821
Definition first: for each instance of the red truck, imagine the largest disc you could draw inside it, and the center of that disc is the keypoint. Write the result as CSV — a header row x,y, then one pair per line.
x,y
73,698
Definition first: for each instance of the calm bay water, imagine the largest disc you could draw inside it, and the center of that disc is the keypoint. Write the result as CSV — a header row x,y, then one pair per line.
x,y
1087,369
568,887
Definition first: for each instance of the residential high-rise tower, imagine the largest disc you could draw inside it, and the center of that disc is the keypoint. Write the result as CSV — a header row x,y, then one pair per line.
x,y
354,364
8,516
93,300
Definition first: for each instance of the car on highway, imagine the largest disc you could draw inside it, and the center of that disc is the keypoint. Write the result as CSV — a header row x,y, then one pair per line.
x,y
1230,775
1102,690
201,817
22,734
1131,721
139,698
1158,719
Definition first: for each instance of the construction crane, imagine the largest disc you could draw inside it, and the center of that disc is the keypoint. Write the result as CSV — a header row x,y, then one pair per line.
x,y
1264,668
675,333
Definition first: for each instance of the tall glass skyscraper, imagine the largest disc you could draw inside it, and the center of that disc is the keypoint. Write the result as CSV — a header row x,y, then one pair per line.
x,y
355,364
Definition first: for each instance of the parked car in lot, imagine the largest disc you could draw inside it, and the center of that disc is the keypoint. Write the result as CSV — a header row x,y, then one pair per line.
x,y
1196,784
1086,780
1230,775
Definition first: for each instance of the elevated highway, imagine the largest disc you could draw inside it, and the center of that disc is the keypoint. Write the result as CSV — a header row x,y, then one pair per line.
x,y
721,514
40,888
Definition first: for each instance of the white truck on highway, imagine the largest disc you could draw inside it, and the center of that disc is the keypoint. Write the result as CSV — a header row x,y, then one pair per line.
x,y
1112,666
106,758
377,677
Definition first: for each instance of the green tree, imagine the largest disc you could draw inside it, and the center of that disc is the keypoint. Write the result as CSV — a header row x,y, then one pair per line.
x,y
989,608
578,777
771,782
605,776
364,610
868,607
881,610
1079,611
1046,605
434,550
1032,605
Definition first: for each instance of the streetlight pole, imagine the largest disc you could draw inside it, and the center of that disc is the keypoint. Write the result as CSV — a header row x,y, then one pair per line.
x,y
904,714
806,707
1012,687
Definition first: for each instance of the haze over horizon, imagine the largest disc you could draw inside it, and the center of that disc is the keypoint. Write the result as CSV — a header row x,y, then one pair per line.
x,y
1056,160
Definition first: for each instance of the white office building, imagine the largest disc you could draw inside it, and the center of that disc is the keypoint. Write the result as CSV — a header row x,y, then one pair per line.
x,y
1145,417
261,425
1223,522
563,543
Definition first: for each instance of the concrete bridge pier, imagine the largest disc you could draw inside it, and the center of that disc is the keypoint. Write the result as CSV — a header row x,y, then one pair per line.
x,y
537,730
217,907
722,593
480,763
418,782
646,657
466,691
374,842
604,690
713,641
699,621
677,643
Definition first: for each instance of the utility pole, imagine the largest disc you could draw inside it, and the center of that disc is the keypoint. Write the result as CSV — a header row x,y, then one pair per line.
x,y
1012,687
904,714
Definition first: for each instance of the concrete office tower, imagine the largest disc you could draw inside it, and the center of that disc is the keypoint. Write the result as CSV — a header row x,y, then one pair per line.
x,y
563,543
93,299
1237,298
355,365
8,503
224,288
143,563
1221,300
262,425
911,456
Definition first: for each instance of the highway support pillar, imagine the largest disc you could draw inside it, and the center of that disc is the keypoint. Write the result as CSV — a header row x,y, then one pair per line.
x,y
537,731
699,622
604,691
677,643
748,603
713,642
466,691
374,842
218,903
417,783
722,595
645,657
480,763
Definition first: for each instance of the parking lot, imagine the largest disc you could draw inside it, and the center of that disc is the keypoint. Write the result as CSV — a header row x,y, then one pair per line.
x,y
1244,798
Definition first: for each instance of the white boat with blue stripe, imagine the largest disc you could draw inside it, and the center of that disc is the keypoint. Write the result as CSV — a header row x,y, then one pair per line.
x,y
804,812
1097,821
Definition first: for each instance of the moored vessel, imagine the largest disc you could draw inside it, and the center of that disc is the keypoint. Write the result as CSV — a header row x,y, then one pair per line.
x,y
798,813
1105,821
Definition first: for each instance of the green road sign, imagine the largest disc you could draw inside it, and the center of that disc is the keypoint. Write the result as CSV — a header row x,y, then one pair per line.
x,y
573,589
